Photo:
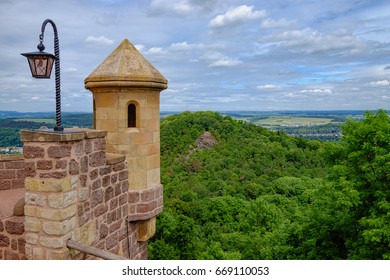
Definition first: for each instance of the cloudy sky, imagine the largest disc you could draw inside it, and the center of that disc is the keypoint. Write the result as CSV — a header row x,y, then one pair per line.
x,y
216,54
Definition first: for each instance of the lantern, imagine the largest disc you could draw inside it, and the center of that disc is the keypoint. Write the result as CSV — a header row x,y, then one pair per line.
x,y
41,64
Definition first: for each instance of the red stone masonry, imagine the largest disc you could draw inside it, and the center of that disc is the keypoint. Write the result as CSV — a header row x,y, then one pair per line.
x,y
145,204
12,240
12,172
12,175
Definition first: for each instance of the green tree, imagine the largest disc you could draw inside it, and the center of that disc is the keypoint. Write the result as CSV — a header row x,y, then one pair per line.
x,y
367,170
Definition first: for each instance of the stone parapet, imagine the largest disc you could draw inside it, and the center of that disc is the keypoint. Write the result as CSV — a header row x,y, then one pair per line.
x,y
79,192
145,204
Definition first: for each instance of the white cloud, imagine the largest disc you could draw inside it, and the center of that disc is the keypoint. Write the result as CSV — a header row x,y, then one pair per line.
x,y
155,50
35,98
102,40
281,23
70,70
310,41
184,46
318,91
139,47
268,87
225,62
236,16
185,8
383,83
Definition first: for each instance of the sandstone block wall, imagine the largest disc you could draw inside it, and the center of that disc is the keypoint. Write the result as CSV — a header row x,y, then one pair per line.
x,y
77,191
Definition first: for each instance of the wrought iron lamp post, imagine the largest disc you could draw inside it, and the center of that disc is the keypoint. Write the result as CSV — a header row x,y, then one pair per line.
x,y
41,64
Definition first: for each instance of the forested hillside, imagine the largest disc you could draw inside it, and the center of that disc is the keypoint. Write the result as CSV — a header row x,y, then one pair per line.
x,y
233,190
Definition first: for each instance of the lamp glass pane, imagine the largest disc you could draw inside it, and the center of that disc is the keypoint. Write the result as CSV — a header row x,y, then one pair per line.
x,y
41,64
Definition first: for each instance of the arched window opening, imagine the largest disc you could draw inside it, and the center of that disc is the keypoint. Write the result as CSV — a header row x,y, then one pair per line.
x,y
131,115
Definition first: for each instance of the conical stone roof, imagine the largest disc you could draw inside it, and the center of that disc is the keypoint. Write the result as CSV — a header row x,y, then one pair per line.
x,y
126,66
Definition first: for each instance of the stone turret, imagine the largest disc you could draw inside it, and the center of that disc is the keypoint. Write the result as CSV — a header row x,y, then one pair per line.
x,y
126,103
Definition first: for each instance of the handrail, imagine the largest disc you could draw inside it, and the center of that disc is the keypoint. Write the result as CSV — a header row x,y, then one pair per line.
x,y
93,251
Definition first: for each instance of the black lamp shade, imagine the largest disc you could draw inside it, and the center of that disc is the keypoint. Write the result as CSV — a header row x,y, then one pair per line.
x,y
41,64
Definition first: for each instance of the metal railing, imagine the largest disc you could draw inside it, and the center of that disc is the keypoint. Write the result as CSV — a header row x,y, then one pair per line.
x,y
93,251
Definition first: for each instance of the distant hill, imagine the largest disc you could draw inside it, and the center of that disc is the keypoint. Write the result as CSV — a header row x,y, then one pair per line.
x,y
234,190
230,187
18,115
12,122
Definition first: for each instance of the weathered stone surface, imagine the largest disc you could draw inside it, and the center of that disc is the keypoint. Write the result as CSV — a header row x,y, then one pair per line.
x,y
86,233
94,133
105,170
48,185
17,164
35,199
53,242
33,152
61,164
115,159
9,157
148,195
7,174
106,181
96,198
57,214
134,196
97,159
123,175
22,245
31,238
62,200
84,164
6,184
93,174
32,224
112,240
59,151
74,167
146,229
103,232
4,240
83,194
46,136
44,164
59,228
108,194
30,169
96,184
99,144
58,254
100,210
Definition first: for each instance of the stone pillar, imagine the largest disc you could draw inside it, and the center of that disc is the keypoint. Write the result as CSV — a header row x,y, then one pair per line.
x,y
126,96
51,196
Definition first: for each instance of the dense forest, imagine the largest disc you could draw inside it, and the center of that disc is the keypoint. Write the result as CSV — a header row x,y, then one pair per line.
x,y
234,190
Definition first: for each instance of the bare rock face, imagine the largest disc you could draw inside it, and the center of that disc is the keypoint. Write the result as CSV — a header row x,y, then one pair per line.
x,y
205,141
